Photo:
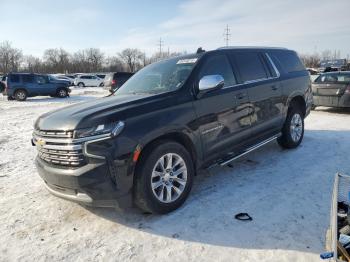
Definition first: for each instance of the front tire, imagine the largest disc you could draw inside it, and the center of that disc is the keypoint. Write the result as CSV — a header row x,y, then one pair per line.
x,y
81,84
293,129
164,178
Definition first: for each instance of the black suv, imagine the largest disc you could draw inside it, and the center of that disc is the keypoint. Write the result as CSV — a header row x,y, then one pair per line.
x,y
113,81
145,143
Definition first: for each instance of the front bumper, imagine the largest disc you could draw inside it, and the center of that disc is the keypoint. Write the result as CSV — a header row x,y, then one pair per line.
x,y
95,172
332,101
89,185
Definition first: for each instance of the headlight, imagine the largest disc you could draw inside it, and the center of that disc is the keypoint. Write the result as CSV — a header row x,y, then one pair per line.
x,y
113,129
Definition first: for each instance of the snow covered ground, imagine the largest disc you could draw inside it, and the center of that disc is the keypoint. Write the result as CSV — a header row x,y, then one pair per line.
x,y
287,192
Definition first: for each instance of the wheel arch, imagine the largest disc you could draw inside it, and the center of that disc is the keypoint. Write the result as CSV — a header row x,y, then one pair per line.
x,y
299,101
176,136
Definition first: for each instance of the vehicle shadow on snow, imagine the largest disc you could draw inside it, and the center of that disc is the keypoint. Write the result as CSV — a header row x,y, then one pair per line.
x,y
287,192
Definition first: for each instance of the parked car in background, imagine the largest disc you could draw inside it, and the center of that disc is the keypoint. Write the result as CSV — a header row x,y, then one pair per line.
x,y
332,89
88,80
145,144
113,81
61,79
19,86
102,76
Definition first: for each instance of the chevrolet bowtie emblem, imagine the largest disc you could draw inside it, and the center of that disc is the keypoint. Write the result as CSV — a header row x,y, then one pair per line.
x,y
40,142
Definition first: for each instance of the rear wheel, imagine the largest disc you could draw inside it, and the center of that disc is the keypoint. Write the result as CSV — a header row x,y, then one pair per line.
x,y
313,107
163,178
293,129
81,84
20,95
62,93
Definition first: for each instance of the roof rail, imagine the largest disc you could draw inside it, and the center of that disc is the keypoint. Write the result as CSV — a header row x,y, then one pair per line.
x,y
250,47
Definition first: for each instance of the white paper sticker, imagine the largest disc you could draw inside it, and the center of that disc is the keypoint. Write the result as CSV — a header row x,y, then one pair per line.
x,y
187,61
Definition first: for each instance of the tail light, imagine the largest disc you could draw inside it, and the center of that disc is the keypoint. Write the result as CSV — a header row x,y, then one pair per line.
x,y
114,82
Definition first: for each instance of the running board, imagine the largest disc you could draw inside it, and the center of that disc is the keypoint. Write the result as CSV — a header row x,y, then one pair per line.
x,y
250,149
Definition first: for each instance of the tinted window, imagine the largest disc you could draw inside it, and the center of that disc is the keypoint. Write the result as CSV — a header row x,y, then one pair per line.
x,y
250,66
84,77
218,65
28,78
14,78
288,60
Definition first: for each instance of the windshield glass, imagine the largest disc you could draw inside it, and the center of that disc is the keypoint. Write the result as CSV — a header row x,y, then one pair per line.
x,y
160,77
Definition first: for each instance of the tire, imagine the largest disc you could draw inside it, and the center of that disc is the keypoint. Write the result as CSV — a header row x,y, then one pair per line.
x,y
293,128
313,107
20,95
81,84
101,85
62,93
155,199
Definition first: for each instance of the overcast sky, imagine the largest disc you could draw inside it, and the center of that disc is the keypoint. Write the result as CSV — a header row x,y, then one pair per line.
x,y
303,25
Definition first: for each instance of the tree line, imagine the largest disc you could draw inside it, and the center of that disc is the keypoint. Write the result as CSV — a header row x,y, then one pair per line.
x,y
314,60
58,60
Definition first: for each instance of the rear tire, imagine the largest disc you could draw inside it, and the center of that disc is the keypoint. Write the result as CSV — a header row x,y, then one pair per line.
x,y
164,178
293,129
81,84
313,107
21,95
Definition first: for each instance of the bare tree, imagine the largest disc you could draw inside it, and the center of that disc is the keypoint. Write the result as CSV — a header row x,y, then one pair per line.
x,y
10,58
57,60
132,57
33,64
113,64
95,59
312,61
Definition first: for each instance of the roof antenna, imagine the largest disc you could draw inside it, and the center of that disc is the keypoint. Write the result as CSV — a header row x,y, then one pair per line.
x,y
200,50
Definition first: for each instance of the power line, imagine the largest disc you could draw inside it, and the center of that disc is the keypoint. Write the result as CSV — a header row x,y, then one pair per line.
x,y
227,35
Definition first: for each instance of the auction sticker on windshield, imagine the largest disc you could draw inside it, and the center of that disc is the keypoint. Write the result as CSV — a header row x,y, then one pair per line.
x,y
187,61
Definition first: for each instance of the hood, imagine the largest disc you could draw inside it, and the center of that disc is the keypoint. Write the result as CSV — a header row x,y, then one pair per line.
x,y
88,114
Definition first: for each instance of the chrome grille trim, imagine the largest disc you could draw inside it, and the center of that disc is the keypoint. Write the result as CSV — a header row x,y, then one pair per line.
x,y
55,149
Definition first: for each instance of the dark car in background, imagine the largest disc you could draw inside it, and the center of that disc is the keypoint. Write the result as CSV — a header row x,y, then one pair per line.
x,y
145,143
114,81
332,89
19,86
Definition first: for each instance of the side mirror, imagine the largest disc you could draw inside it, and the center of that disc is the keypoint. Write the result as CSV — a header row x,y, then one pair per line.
x,y
211,82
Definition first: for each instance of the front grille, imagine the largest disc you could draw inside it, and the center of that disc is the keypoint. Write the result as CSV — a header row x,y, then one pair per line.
x,y
58,148
62,157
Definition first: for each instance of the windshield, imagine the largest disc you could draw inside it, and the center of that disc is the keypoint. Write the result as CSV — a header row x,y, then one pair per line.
x,y
160,77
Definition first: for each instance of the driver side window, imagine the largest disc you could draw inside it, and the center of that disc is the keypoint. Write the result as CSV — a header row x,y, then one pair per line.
x,y
218,65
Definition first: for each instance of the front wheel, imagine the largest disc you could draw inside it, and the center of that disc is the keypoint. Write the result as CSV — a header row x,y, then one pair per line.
x,y
163,178
293,129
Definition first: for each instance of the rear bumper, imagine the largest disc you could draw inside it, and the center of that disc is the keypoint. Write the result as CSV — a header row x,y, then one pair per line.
x,y
332,101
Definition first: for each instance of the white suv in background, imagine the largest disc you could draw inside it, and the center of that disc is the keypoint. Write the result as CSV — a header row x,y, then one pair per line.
x,y
88,80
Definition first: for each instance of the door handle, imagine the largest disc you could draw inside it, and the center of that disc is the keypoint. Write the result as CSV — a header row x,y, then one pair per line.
x,y
241,95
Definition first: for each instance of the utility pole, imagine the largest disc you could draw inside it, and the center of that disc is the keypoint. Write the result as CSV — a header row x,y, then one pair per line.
x,y
160,44
227,35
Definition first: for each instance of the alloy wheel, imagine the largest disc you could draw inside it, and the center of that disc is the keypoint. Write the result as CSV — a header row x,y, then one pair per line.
x,y
296,127
169,178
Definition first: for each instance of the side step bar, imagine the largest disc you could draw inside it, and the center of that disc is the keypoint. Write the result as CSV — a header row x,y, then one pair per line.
x,y
250,149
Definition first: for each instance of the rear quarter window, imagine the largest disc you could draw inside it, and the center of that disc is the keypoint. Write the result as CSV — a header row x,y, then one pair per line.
x,y
14,78
288,60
